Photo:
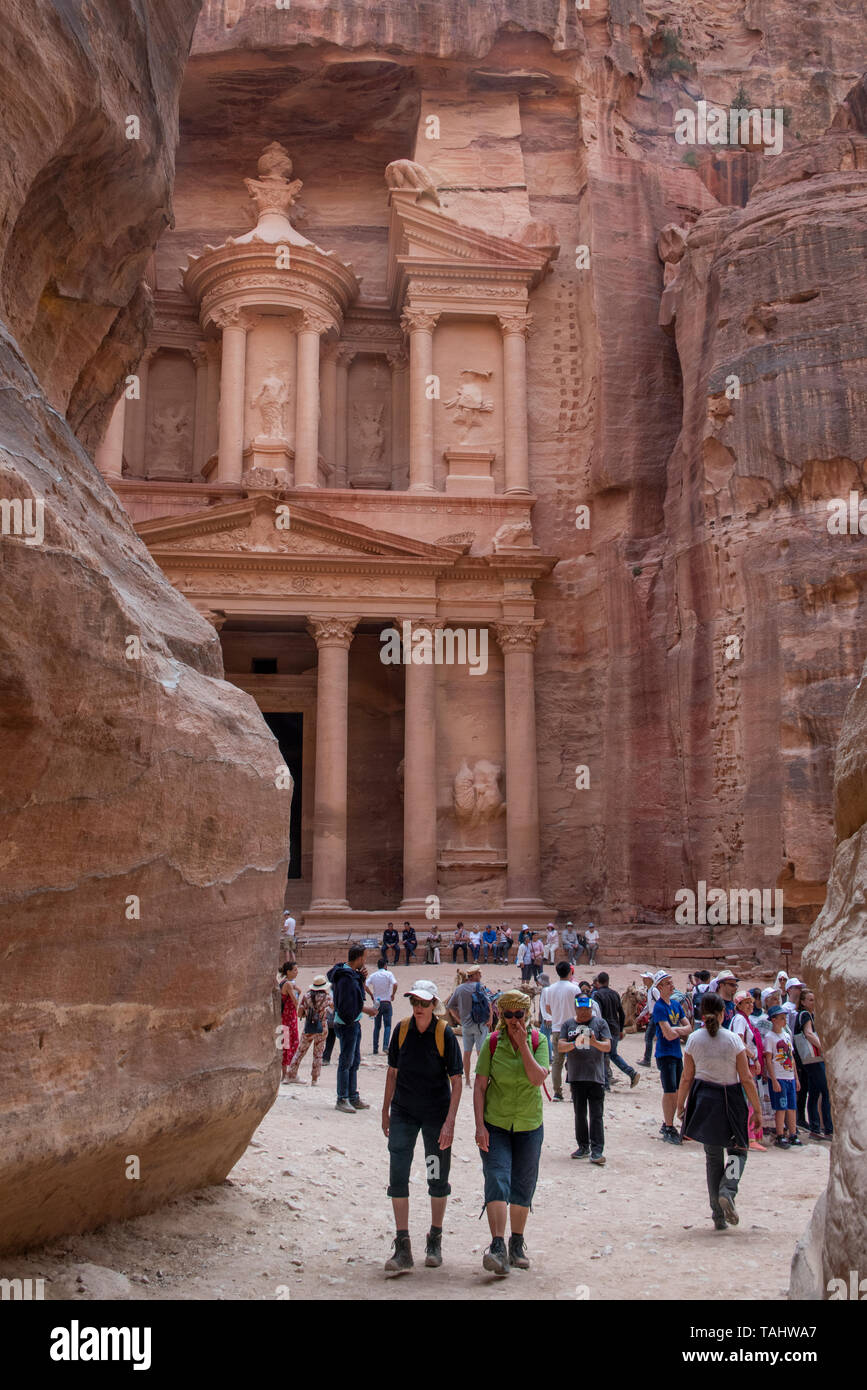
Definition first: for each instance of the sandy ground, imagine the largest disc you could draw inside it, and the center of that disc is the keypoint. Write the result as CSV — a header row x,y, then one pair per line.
x,y
305,1214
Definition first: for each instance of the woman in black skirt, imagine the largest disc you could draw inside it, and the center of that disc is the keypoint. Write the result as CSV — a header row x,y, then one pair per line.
x,y
712,1104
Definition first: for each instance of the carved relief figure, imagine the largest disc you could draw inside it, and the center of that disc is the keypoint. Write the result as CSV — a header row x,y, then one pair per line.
x,y
369,446
468,402
476,794
270,403
513,534
170,439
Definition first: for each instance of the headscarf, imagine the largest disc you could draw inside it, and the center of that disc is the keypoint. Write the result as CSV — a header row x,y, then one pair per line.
x,y
515,999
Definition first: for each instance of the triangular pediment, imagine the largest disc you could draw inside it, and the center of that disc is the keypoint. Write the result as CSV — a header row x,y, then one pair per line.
x,y
271,526
420,237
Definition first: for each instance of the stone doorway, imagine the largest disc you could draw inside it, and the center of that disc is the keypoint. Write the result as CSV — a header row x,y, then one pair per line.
x,y
288,729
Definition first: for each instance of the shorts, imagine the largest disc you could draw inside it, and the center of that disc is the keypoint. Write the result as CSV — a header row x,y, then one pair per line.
x,y
473,1035
670,1069
786,1098
403,1131
511,1165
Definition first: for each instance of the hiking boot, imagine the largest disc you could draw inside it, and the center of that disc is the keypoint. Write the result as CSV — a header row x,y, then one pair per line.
x,y
358,1104
433,1250
719,1221
781,1142
728,1209
634,1079
795,1141
671,1135
496,1258
642,1063
518,1253
345,1106
581,1152
401,1261
598,1158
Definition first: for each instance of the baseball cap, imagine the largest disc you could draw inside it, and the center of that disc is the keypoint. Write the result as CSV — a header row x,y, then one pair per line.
x,y
792,981
422,989
646,974
772,1013
662,975
583,1002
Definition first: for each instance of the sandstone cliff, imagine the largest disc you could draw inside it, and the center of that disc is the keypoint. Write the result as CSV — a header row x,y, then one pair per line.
x,y
144,838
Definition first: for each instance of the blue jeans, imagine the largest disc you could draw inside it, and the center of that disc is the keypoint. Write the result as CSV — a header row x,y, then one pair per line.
x,y
383,1016
490,946
511,1165
616,1060
817,1093
349,1037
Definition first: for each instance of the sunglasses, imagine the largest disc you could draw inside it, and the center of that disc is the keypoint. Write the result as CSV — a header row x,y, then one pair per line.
x,y
513,1013
421,1003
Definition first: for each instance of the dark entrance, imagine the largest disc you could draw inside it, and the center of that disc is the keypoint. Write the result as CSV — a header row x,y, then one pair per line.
x,y
288,729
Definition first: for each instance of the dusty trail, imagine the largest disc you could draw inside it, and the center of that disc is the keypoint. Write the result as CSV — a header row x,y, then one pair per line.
x,y
304,1213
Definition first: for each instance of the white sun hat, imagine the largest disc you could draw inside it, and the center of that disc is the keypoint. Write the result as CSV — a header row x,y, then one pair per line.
x,y
422,989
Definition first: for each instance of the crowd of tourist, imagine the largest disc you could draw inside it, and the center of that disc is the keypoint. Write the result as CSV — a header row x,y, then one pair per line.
x,y
735,1067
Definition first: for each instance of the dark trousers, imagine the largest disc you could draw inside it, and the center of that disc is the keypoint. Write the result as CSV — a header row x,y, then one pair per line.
x,y
723,1174
383,1016
410,952
589,1095
649,1033
488,947
349,1037
396,950
801,1101
329,1044
614,1058
461,946
818,1097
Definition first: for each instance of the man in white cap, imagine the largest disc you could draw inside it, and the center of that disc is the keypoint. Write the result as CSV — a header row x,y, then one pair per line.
x,y
650,1027
422,1093
726,987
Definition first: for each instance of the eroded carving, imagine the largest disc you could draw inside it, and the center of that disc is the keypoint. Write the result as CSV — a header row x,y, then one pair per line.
x,y
476,796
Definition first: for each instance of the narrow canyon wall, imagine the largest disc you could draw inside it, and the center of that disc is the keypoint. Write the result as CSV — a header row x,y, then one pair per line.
x,y
144,838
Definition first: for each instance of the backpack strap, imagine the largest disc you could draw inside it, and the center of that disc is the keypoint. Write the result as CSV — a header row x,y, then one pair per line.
x,y
402,1030
440,1034
493,1039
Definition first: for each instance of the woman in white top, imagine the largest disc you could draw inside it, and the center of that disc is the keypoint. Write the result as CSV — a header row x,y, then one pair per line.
x,y
746,1030
713,1107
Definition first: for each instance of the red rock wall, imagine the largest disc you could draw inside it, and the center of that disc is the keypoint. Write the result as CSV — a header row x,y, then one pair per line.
x,y
128,1031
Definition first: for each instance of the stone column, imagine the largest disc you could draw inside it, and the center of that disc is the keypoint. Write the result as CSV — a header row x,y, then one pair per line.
x,y
307,401
138,433
419,325
345,358
200,424
419,776
399,363
109,456
332,637
233,374
212,404
515,329
523,880
328,356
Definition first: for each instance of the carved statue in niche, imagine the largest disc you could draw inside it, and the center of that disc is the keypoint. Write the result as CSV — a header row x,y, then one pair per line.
x,y
369,444
170,440
476,794
469,402
270,403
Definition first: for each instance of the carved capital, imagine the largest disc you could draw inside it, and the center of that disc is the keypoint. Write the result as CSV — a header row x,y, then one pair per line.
x,y
198,355
418,321
313,323
215,616
397,360
515,323
332,632
519,636
148,356
230,316
346,354
329,352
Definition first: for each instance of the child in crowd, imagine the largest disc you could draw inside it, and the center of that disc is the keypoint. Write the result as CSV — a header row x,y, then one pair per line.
x,y
782,1078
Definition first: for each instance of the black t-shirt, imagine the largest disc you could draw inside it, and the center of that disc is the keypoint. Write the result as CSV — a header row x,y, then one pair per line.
x,y
611,1008
422,1090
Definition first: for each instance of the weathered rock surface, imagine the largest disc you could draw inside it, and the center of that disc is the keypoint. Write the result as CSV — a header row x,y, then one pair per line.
x,y
835,962
144,839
